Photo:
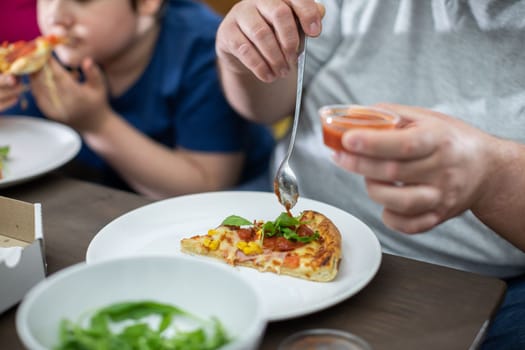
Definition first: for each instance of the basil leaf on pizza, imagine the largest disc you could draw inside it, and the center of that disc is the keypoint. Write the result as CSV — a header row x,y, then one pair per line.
x,y
235,220
307,246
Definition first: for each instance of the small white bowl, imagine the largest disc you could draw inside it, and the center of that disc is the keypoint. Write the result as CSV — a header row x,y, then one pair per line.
x,y
202,288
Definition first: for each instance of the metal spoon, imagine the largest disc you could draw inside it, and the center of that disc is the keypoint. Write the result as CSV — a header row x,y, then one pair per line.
x,y
285,182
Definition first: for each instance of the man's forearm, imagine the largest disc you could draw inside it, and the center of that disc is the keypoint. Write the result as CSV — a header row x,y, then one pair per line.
x,y
502,205
256,100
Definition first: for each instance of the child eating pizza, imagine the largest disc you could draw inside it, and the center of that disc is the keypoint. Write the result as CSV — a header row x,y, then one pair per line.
x,y
137,79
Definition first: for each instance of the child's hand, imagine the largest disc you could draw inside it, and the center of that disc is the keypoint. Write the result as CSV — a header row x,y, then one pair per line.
x,y
10,90
263,36
59,95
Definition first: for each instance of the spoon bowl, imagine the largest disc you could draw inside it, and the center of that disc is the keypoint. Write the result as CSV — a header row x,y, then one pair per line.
x,y
285,186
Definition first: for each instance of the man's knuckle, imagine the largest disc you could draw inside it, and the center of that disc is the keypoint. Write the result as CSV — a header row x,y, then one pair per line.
x,y
392,171
262,33
281,12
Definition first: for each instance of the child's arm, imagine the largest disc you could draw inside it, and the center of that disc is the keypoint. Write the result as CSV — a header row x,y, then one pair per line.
x,y
156,170
149,167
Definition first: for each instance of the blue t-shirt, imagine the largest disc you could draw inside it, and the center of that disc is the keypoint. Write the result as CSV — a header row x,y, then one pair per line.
x,y
178,99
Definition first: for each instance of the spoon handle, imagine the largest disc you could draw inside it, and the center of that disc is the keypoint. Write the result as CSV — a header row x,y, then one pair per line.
x,y
300,72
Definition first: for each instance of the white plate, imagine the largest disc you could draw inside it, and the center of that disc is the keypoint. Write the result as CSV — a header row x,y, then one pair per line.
x,y
157,228
37,146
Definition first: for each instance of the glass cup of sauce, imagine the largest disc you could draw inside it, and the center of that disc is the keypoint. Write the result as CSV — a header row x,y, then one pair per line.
x,y
336,119
323,339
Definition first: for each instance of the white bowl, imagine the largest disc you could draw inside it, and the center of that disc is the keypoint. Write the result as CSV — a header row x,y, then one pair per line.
x,y
202,288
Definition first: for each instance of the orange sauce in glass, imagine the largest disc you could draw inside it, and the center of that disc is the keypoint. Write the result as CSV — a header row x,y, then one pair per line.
x,y
335,126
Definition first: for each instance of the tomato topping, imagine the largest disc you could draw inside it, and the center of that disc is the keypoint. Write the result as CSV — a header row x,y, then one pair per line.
x,y
304,230
291,261
246,234
20,49
280,244
54,40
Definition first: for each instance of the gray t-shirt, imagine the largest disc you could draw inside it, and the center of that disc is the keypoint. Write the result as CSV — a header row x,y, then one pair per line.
x,y
465,58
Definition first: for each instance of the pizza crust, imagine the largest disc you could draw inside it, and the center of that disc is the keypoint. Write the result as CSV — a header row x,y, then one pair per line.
x,y
324,263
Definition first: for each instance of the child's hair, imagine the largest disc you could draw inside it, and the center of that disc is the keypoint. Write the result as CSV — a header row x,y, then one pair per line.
x,y
134,4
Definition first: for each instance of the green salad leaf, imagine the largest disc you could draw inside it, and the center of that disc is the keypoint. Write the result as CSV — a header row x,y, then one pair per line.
x,y
4,151
136,332
284,226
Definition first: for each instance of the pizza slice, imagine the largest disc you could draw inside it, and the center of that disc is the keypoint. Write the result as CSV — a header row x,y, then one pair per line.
x,y
307,246
26,57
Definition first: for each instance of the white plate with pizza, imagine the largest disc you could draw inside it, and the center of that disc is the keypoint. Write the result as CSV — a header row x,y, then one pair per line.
x,y
36,146
158,228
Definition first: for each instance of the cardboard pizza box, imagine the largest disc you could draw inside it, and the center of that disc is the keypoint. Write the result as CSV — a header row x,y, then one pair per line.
x,y
22,258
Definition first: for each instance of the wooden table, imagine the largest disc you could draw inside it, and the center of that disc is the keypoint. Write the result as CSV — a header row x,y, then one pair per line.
x,y
408,305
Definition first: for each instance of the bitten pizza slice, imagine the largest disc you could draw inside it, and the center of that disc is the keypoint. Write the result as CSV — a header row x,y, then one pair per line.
x,y
26,57
307,246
